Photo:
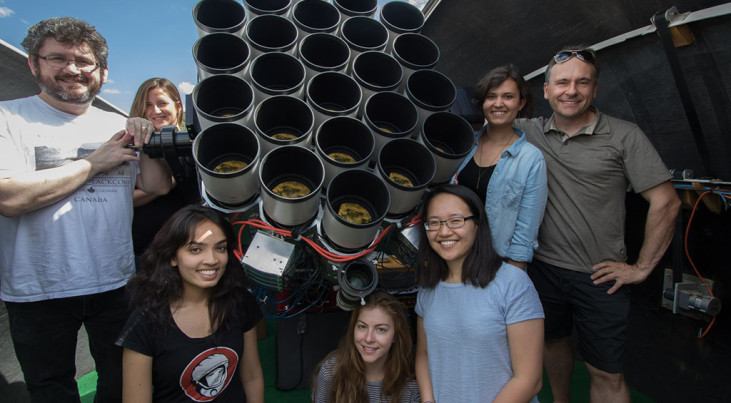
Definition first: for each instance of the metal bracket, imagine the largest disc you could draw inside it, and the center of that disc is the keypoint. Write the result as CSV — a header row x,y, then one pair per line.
x,y
690,297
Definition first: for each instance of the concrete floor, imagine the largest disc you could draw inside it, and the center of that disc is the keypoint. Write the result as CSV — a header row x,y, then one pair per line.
x,y
12,386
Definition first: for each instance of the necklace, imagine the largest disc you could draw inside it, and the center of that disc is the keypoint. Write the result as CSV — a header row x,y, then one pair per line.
x,y
482,169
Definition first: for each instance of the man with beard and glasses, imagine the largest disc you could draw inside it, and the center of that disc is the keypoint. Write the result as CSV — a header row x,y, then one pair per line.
x,y
66,182
580,269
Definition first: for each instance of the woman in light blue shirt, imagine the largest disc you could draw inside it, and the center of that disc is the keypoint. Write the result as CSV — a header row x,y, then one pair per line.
x,y
507,172
479,329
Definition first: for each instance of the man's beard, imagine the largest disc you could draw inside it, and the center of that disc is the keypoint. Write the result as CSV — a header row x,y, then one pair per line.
x,y
55,90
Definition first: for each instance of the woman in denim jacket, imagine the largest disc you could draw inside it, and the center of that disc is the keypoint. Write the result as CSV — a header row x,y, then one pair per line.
x,y
507,172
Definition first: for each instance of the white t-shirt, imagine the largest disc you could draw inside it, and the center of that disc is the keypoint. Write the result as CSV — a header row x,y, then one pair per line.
x,y
82,244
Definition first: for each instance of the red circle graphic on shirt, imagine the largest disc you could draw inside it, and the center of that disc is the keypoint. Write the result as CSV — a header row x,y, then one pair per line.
x,y
208,374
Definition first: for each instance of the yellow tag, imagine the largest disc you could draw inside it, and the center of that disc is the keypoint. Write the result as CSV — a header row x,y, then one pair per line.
x,y
291,190
342,157
283,136
229,166
354,213
400,179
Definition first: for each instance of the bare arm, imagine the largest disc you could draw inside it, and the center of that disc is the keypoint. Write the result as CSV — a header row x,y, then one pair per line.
x,y
140,197
136,377
422,363
28,192
525,340
659,228
154,177
250,370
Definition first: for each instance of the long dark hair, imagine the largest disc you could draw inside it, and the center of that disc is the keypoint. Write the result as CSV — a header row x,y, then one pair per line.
x,y
481,263
495,78
157,284
349,382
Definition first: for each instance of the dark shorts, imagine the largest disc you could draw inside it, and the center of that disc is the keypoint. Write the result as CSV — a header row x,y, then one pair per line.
x,y
570,299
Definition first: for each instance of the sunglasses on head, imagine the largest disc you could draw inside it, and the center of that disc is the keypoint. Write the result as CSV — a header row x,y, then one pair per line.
x,y
583,54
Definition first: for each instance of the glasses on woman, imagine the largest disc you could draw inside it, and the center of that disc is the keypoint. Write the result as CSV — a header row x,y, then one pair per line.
x,y
586,55
60,62
451,223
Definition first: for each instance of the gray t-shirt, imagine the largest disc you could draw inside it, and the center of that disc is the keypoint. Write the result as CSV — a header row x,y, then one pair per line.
x,y
589,175
82,244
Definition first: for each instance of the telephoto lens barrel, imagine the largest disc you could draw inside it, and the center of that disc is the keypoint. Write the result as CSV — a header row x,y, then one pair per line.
x,y
450,138
363,34
407,167
390,116
357,279
355,8
283,120
311,16
431,91
414,52
223,98
227,156
219,16
343,142
291,178
221,53
400,17
357,201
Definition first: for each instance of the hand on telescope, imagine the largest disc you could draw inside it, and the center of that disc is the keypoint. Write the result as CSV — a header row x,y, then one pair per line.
x,y
112,153
141,129
154,176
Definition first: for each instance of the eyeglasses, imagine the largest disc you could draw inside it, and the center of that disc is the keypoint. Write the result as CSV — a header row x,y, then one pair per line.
x,y
451,223
60,62
586,55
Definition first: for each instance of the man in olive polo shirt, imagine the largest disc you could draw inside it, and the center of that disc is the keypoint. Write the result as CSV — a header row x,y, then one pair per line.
x,y
580,265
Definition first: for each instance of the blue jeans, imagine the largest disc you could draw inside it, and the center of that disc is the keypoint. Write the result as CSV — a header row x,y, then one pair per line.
x,y
44,336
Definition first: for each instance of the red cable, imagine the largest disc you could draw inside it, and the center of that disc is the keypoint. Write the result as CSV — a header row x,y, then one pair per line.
x,y
687,254
323,252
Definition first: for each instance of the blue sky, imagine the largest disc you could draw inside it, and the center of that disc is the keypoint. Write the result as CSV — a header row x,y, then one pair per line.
x,y
146,38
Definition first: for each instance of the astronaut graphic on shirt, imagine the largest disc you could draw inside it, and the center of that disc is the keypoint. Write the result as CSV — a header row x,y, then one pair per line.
x,y
209,373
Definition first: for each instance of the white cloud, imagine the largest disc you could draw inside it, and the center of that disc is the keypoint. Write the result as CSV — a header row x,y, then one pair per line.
x,y
109,81
111,91
6,12
186,87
